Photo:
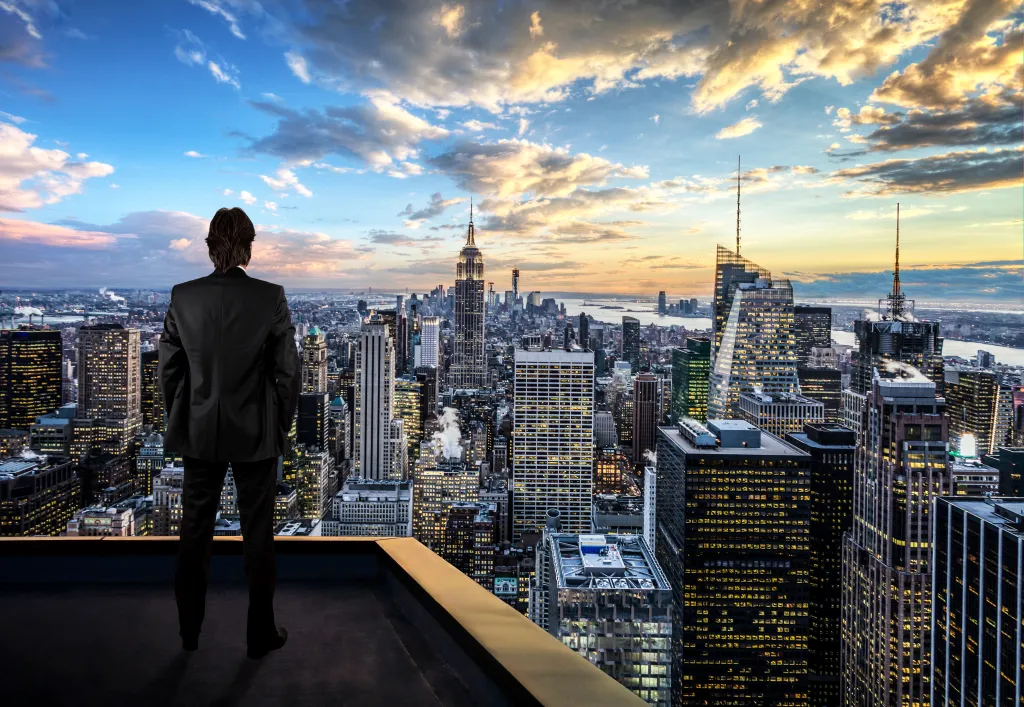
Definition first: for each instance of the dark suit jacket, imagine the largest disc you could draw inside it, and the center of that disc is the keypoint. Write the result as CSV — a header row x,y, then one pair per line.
x,y
229,370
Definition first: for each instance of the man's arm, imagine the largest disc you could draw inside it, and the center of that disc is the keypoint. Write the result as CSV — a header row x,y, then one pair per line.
x,y
286,362
173,363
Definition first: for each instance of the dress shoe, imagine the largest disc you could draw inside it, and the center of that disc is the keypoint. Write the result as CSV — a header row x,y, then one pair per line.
x,y
260,650
189,643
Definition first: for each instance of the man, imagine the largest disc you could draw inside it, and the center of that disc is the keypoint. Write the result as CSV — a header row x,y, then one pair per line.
x,y
229,373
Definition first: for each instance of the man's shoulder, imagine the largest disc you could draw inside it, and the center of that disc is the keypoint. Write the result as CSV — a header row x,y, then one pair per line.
x,y
264,285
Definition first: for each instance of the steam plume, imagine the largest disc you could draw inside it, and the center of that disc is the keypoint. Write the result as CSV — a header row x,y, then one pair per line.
x,y
449,435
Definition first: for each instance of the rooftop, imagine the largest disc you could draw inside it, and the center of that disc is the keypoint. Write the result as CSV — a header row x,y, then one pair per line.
x,y
370,621
605,562
770,444
1005,512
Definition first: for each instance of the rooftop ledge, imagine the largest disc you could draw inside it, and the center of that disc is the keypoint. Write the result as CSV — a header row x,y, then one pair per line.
x,y
372,621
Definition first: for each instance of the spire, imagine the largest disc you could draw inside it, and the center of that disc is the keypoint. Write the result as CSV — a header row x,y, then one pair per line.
x,y
896,270
470,240
738,179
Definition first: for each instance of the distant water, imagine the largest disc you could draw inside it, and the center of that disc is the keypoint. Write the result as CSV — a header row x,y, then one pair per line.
x,y
644,312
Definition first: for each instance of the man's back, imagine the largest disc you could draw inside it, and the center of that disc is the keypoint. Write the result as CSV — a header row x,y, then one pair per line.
x,y
230,369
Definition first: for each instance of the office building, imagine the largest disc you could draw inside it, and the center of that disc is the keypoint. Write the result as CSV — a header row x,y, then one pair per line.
x,y
662,303
631,341
611,470
106,477
410,407
109,373
338,433
14,442
832,450
739,569
372,508
430,342
380,446
467,540
286,504
780,413
552,439
440,481
30,376
584,336
618,514
312,425
38,495
51,434
308,470
152,397
731,270
854,410
148,462
646,416
98,521
972,404
314,361
978,619
812,327
972,478
824,385
1009,462
901,469
691,368
607,599
167,496
469,364
756,349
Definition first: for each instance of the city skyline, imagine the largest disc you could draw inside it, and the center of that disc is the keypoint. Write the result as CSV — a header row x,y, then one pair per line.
x,y
599,143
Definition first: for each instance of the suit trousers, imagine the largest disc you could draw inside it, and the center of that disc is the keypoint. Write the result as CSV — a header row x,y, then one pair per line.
x,y
256,483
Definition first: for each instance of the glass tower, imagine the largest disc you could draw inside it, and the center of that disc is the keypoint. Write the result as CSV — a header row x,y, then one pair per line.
x,y
691,368
30,376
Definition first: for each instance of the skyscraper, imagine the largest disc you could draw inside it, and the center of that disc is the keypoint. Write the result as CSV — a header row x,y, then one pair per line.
x,y
430,342
469,366
109,372
812,327
314,361
410,407
781,413
691,368
631,341
152,398
832,450
552,439
380,447
901,469
662,303
646,405
738,565
972,404
977,635
896,340
30,376
584,334
756,350
824,385
312,424
731,270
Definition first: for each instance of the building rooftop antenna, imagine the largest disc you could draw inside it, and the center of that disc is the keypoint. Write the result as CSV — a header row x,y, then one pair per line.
x,y
738,179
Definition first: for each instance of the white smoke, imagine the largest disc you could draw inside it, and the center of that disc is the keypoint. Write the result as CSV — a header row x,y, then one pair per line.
x,y
28,311
906,372
652,457
449,435
111,296
870,315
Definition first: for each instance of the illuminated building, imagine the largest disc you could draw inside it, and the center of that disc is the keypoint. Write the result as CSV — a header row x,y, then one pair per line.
x,y
495,492
38,495
467,540
780,413
631,341
469,366
30,376
439,482
978,622
308,471
167,495
104,434
229,496
756,349
832,449
624,417
380,447
99,521
552,439
409,407
691,367
972,404
618,514
853,410
52,433
733,515
106,477
152,398
313,420
13,442
646,415
401,336
314,361
430,342
372,508
731,270
148,463
650,501
514,566
607,599
1009,461
610,470
812,327
109,373
972,478
286,504
337,432
824,385
901,469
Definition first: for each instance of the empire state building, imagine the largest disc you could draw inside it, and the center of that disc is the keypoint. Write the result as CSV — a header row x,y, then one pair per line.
x,y
469,367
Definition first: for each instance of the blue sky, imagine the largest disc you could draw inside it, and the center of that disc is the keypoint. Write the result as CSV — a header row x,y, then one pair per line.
x,y
597,139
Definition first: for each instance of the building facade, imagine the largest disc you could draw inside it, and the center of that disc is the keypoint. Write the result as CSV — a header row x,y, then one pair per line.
x,y
30,376
780,413
813,329
380,446
38,495
646,416
372,508
691,368
469,364
314,361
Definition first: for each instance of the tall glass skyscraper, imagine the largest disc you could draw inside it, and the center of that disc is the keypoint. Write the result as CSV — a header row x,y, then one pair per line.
x,y
691,368
731,269
813,328
631,342
469,365
380,446
30,376
901,468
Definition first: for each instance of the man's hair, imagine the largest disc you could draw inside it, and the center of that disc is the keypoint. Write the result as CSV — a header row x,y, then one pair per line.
x,y
230,239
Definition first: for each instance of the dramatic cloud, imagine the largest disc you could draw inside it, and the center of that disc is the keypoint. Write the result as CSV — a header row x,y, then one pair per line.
x,y
968,170
32,176
436,207
744,127
379,133
509,168
52,235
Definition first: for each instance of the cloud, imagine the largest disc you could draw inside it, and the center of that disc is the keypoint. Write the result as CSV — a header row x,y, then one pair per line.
x,y
221,75
743,127
536,30
868,115
21,31
228,192
191,51
752,104
52,235
507,168
436,207
947,173
32,176
656,118
298,66
16,119
214,7
286,179
402,240
450,17
378,133
247,197
193,153
272,97
524,124
476,126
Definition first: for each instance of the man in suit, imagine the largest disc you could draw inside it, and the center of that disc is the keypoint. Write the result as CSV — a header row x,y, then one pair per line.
x,y
229,373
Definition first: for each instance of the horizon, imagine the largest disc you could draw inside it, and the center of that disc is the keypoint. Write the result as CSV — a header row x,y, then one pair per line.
x,y
599,145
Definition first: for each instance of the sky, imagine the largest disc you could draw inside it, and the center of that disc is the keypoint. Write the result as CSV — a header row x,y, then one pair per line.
x,y
598,140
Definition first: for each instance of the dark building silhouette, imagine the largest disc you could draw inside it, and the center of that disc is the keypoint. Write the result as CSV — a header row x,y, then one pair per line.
x,y
646,406
312,426
152,397
824,385
812,327
631,342
30,376
584,332
832,449
1010,463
